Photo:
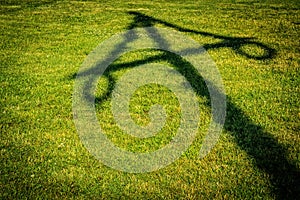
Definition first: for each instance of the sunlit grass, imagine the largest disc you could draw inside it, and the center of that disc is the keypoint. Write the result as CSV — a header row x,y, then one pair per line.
x,y
43,44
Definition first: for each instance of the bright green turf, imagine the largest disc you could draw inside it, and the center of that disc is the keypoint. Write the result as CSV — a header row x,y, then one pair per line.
x,y
43,44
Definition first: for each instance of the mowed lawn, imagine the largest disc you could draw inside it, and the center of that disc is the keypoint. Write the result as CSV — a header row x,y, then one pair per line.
x,y
255,45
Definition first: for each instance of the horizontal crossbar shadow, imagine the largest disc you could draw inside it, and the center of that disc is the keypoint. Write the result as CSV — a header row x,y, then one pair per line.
x,y
235,43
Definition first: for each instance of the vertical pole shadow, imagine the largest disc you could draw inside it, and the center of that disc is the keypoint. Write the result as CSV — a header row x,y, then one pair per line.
x,y
260,145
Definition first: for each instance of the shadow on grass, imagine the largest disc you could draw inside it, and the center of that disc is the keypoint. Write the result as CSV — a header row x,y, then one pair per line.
x,y
236,43
261,146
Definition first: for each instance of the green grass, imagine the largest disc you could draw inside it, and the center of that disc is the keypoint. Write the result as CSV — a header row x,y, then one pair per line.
x,y
43,44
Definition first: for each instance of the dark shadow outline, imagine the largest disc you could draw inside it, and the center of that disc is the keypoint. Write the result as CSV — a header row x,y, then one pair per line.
x,y
236,43
268,155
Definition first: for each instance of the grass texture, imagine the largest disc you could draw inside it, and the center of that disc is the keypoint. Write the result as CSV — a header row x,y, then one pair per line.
x,y
255,45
